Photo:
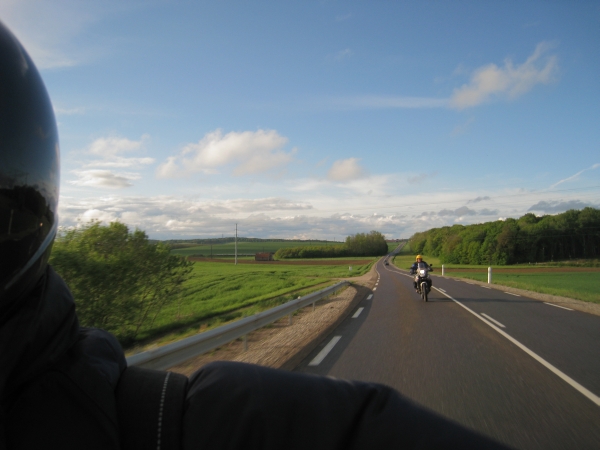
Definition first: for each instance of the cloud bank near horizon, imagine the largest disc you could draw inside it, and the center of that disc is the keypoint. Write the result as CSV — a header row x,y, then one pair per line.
x,y
173,217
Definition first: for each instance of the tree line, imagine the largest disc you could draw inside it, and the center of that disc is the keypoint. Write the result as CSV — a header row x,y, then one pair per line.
x,y
573,234
360,244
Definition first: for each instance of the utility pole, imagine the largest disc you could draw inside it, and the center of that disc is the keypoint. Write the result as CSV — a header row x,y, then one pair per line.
x,y
236,244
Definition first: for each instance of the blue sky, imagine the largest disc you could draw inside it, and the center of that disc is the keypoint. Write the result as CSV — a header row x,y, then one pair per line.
x,y
318,119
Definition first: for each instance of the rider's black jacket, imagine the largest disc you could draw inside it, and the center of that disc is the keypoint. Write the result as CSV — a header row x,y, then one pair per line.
x,y
413,268
62,386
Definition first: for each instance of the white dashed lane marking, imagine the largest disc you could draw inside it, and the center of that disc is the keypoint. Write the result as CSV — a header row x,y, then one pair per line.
x,y
323,353
357,313
568,309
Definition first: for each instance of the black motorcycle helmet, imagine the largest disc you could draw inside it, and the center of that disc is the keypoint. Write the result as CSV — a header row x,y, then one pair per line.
x,y
29,173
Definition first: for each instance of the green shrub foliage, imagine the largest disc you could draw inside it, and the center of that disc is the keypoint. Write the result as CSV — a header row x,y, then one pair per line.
x,y
570,235
118,278
360,244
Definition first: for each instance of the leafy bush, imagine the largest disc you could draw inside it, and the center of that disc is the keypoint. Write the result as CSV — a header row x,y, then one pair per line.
x,y
118,278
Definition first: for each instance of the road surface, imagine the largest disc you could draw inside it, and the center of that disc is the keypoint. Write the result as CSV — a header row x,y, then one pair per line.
x,y
521,371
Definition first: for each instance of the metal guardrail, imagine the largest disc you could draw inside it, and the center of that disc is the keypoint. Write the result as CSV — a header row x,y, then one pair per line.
x,y
169,355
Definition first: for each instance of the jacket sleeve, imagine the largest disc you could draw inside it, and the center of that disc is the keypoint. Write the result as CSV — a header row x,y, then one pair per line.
x,y
71,405
234,406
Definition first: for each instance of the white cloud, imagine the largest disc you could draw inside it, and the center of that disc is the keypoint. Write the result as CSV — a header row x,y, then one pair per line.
x,y
264,204
322,210
509,81
96,214
108,151
247,152
111,146
104,179
345,170
574,177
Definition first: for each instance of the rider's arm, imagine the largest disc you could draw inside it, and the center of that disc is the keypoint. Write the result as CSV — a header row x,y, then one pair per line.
x,y
235,405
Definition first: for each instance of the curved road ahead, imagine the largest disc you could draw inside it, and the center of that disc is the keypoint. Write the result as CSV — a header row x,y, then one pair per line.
x,y
518,370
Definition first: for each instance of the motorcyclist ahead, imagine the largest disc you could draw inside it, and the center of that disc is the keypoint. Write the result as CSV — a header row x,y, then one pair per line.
x,y
413,271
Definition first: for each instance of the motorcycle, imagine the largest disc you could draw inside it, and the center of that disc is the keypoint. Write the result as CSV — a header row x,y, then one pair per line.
x,y
422,280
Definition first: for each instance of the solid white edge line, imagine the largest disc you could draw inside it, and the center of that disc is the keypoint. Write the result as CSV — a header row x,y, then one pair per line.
x,y
440,289
493,320
357,313
589,394
568,309
370,297
323,353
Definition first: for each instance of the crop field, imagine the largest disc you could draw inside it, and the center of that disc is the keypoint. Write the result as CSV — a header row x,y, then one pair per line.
x,y
218,292
246,247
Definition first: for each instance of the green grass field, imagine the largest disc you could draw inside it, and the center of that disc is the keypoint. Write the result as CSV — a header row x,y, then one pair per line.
x,y
578,285
220,292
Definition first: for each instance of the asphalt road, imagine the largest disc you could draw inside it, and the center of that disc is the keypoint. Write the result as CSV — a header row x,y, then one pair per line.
x,y
527,375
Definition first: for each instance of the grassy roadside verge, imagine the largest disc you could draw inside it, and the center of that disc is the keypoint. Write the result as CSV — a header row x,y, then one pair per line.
x,y
221,292
562,279
583,286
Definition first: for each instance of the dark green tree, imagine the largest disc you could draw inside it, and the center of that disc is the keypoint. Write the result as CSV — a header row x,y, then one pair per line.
x,y
572,234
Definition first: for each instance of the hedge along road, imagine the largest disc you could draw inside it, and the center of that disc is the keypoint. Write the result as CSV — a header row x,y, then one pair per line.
x,y
450,360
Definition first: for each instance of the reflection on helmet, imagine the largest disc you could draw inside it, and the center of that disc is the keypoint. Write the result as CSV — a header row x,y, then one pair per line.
x,y
29,171
419,257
